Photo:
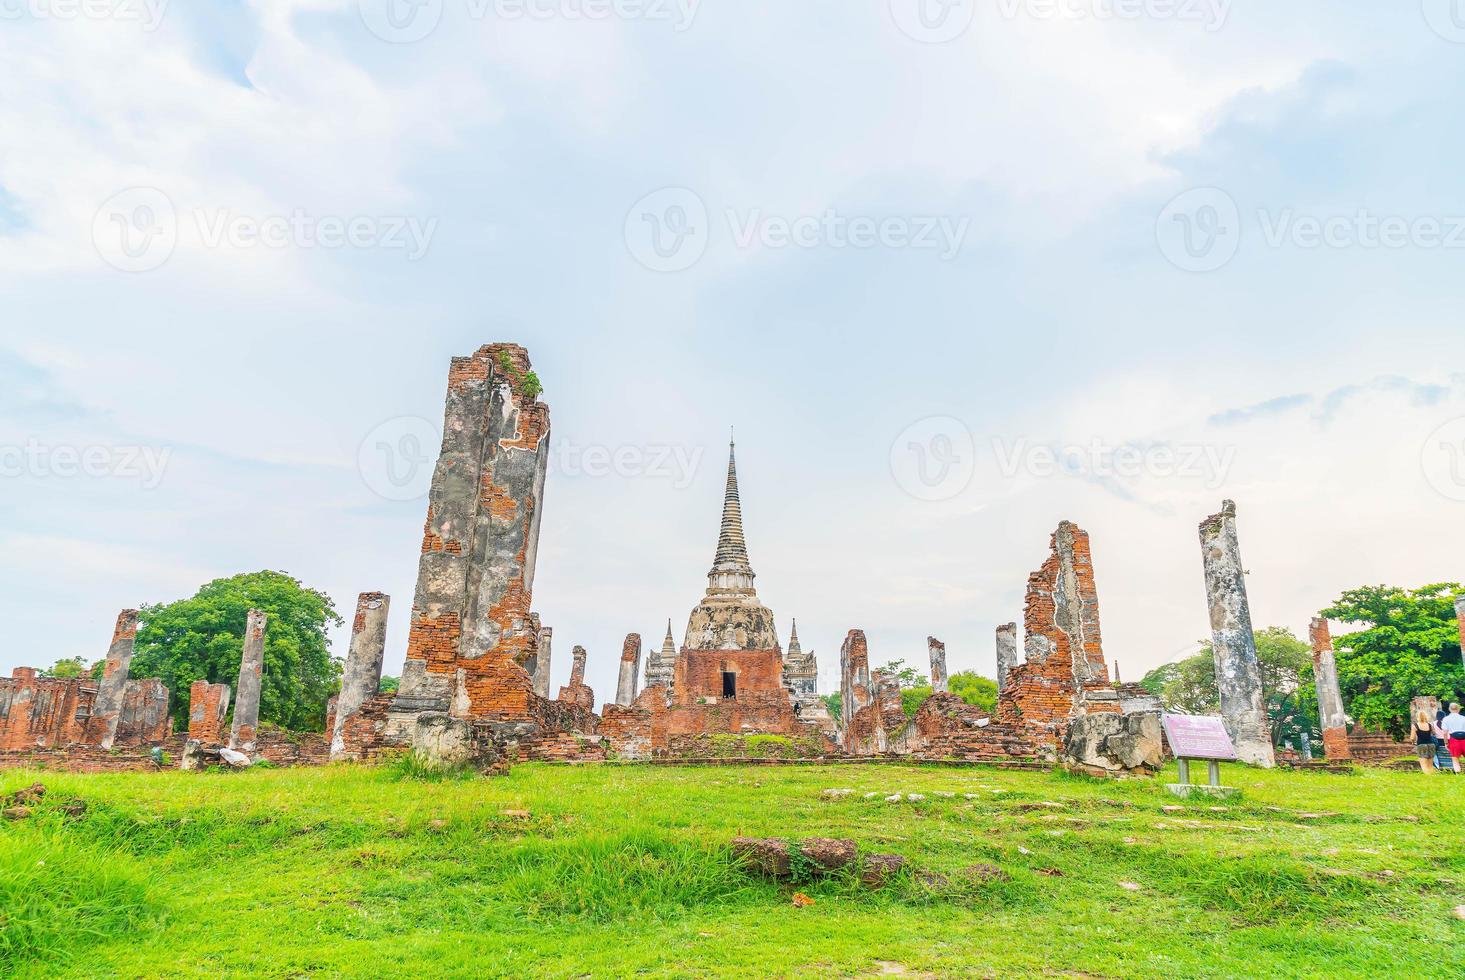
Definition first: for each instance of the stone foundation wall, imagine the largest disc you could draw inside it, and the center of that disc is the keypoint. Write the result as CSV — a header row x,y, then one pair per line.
x,y
946,727
1374,747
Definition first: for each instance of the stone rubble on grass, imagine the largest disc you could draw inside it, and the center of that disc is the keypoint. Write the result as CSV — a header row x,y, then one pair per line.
x,y
236,759
1129,886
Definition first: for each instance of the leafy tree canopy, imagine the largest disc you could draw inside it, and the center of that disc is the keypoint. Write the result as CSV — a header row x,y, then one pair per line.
x,y
1189,686
1410,645
69,667
388,685
203,637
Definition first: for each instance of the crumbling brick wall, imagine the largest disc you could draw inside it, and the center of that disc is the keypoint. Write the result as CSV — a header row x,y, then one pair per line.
x,y
1064,675
208,706
143,719
43,711
946,727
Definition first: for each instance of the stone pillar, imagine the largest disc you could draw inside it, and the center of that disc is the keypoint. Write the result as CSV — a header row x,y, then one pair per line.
x,y
577,666
1238,676
362,677
107,709
855,692
251,671
1006,652
630,668
937,651
472,638
1306,749
541,662
208,706
1331,717
1460,622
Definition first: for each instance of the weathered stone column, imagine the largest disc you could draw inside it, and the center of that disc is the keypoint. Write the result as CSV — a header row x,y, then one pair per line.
x,y
1331,717
576,692
630,669
472,638
251,671
208,706
577,666
855,692
542,663
937,651
107,709
1460,622
1006,652
1238,676
362,677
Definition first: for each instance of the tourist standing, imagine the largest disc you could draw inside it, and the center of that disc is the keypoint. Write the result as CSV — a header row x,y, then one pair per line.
x,y
1424,740
1453,726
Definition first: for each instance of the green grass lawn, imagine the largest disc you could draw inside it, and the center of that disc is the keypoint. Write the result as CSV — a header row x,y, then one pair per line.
x,y
625,871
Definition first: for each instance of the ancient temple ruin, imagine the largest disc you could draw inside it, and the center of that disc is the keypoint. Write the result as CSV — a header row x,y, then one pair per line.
x,y
729,675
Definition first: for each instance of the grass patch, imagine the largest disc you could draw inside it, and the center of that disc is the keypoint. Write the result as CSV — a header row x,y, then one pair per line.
x,y
563,871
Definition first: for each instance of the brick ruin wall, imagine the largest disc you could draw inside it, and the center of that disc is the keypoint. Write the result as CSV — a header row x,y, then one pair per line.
x,y
1064,674
53,712
946,727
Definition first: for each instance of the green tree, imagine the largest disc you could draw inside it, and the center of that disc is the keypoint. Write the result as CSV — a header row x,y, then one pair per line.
x,y
833,702
1410,645
1189,686
69,667
388,685
975,689
202,638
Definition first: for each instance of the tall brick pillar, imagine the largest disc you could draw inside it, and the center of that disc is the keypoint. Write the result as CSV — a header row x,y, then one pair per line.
x,y
1006,652
208,706
1238,676
630,669
937,651
251,673
855,690
576,692
1331,717
472,635
541,662
101,728
362,676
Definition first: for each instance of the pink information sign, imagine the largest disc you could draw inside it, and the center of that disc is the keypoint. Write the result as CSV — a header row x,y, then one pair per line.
x,y
1198,737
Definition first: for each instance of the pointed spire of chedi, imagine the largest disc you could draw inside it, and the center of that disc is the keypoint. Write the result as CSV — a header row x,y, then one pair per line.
x,y
794,650
669,645
731,571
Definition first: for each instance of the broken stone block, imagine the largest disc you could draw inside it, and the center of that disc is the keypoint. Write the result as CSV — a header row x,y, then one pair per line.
x,y
829,854
763,855
232,758
1115,744
878,869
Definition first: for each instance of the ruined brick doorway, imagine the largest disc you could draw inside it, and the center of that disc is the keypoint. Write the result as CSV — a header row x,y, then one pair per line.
x,y
729,684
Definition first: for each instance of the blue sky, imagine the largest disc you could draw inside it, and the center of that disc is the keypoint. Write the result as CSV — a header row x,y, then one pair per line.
x,y
895,403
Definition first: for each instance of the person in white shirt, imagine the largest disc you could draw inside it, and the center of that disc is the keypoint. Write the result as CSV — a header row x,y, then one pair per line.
x,y
1453,725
